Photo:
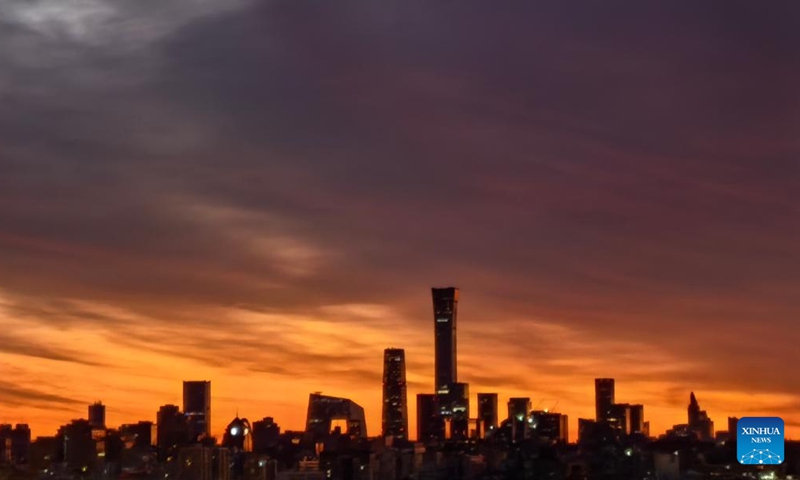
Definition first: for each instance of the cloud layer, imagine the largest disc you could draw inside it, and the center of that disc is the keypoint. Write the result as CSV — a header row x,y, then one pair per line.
x,y
261,194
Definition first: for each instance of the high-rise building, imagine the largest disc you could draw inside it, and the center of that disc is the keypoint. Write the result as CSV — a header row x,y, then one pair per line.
x,y
518,410
238,435
197,408
619,418
456,413
199,462
430,424
487,413
395,402
137,435
20,443
550,426
603,398
323,410
699,423
172,431
266,434
445,308
78,446
637,419
97,415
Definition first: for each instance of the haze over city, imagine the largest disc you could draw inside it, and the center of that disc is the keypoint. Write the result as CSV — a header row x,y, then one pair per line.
x,y
261,194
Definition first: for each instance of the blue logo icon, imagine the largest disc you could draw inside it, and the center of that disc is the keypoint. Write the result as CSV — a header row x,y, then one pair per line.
x,y
759,441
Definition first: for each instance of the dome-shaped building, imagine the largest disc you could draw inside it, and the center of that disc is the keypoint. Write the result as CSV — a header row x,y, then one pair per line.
x,y
238,435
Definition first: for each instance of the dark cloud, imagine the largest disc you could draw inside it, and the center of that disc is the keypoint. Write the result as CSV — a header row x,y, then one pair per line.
x,y
632,177
15,395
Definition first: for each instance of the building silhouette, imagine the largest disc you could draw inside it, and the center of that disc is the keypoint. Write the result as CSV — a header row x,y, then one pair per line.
x,y
550,426
197,408
266,435
637,423
20,443
238,435
699,423
97,415
323,410
172,431
395,401
487,413
518,410
445,309
430,424
603,399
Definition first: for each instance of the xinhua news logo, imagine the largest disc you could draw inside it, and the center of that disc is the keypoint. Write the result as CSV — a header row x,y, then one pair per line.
x,y
759,441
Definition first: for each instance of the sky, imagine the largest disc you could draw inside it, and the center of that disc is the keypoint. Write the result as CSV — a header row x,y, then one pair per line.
x,y
262,193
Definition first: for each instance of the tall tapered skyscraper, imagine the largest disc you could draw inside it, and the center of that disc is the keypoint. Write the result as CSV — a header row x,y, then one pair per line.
x,y
445,305
197,407
395,402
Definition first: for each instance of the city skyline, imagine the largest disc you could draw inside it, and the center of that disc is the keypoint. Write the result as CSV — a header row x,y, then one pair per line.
x,y
260,194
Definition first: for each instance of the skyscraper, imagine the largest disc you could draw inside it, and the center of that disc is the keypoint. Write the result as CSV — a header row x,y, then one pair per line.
x,y
395,402
637,419
487,413
445,306
603,398
458,410
518,410
197,407
430,424
97,415
699,423
172,431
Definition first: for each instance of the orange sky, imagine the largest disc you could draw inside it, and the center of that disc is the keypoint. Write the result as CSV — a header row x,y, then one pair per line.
x,y
133,378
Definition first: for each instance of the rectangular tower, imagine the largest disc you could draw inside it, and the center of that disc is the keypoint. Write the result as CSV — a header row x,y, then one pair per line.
x,y
603,398
430,424
487,413
97,415
445,306
197,407
518,410
395,403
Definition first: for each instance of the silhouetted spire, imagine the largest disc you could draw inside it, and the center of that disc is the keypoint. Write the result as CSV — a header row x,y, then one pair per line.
x,y
693,399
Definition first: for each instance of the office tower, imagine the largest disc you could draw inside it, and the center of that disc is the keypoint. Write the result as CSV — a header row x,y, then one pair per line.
x,y
78,446
445,306
172,431
97,415
20,443
430,424
619,418
44,452
487,413
518,410
266,434
603,398
197,408
550,426
137,435
395,402
637,419
699,423
732,424
323,410
195,462
5,443
456,413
